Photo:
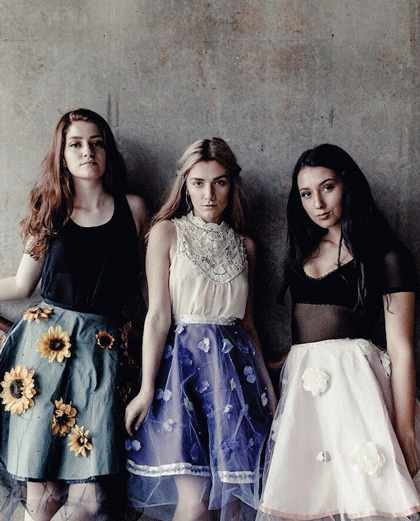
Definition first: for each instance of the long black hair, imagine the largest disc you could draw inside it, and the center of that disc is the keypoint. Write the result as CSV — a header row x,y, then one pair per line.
x,y
364,230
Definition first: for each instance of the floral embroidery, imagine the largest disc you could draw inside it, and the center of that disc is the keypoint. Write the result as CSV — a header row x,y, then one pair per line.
x,y
227,410
79,442
202,387
36,313
188,404
232,384
208,409
184,356
264,399
63,417
18,389
365,347
368,459
164,395
54,345
104,340
251,442
135,445
229,447
167,352
2,340
179,329
315,380
226,346
204,345
386,362
323,456
169,425
242,347
250,375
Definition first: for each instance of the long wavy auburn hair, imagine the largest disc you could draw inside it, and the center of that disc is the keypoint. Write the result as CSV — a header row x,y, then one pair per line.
x,y
51,200
215,149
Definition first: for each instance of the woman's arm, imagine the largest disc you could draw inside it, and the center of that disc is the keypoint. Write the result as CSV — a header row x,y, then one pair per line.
x,y
162,239
399,326
248,324
23,284
141,219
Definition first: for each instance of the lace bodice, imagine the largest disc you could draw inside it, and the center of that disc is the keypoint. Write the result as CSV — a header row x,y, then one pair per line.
x,y
209,271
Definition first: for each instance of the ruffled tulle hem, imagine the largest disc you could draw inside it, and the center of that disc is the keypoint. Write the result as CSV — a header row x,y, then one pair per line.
x,y
335,515
332,452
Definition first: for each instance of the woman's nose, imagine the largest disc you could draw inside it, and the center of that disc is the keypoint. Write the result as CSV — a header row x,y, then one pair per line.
x,y
319,201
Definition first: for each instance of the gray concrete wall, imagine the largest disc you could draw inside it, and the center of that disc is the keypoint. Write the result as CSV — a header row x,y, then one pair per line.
x,y
273,78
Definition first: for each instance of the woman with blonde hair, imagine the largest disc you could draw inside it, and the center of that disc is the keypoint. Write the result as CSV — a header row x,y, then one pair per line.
x,y
60,365
199,422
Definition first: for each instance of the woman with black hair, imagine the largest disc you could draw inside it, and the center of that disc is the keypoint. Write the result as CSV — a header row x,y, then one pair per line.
x,y
343,438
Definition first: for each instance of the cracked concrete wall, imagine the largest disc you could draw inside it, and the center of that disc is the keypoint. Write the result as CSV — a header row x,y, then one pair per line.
x,y
273,78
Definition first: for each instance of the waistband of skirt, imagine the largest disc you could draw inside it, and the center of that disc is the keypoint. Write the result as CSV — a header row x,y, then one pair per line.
x,y
204,319
360,342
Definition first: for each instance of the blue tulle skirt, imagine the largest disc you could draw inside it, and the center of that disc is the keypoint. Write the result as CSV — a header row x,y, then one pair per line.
x,y
209,420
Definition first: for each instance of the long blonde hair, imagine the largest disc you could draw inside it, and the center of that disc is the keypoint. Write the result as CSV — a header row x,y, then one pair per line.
x,y
215,149
51,201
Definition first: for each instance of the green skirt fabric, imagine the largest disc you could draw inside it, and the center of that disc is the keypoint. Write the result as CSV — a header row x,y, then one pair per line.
x,y
62,381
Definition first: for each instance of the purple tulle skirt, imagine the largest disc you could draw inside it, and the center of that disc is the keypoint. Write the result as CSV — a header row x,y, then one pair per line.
x,y
209,419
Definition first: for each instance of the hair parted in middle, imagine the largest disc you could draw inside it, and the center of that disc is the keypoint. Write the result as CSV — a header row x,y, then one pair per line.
x,y
364,229
51,200
215,149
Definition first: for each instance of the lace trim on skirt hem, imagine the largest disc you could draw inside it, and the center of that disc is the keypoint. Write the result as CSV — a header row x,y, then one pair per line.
x,y
241,476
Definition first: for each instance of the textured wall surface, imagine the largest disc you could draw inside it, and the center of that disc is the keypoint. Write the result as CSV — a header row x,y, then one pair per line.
x,y
273,78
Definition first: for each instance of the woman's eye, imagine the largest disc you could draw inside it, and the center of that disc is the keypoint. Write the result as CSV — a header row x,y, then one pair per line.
x,y
328,188
74,145
99,144
222,182
305,195
197,183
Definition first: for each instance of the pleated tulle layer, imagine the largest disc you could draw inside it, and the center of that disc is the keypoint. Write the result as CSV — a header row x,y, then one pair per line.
x,y
206,426
332,450
59,373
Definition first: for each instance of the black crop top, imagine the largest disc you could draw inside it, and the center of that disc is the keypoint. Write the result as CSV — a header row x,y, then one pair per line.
x,y
325,308
93,269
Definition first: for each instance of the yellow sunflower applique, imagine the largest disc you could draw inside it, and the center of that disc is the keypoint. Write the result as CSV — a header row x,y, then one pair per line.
x,y
79,441
18,389
63,417
36,313
104,340
54,345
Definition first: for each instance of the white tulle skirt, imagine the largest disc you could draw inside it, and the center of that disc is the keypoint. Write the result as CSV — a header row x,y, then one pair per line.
x,y
332,450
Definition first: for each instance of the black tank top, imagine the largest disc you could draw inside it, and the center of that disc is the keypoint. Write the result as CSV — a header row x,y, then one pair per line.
x,y
93,269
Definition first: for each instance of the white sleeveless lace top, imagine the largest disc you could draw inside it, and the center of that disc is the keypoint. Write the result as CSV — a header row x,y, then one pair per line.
x,y
209,272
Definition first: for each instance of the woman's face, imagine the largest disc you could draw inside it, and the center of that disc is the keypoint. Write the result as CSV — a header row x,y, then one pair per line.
x,y
208,185
84,151
321,192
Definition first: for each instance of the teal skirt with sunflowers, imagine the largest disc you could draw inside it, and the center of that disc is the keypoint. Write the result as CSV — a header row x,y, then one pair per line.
x,y
64,376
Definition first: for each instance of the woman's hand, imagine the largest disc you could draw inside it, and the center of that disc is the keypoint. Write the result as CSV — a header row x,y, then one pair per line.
x,y
136,411
408,446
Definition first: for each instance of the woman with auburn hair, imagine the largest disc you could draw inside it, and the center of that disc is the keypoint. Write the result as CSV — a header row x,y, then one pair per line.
x,y
61,365
199,422
343,442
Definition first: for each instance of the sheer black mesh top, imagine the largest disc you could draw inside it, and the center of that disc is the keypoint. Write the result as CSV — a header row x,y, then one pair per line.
x,y
326,308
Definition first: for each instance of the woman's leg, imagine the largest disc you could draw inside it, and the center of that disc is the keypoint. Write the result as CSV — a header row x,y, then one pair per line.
x,y
192,499
84,503
42,501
